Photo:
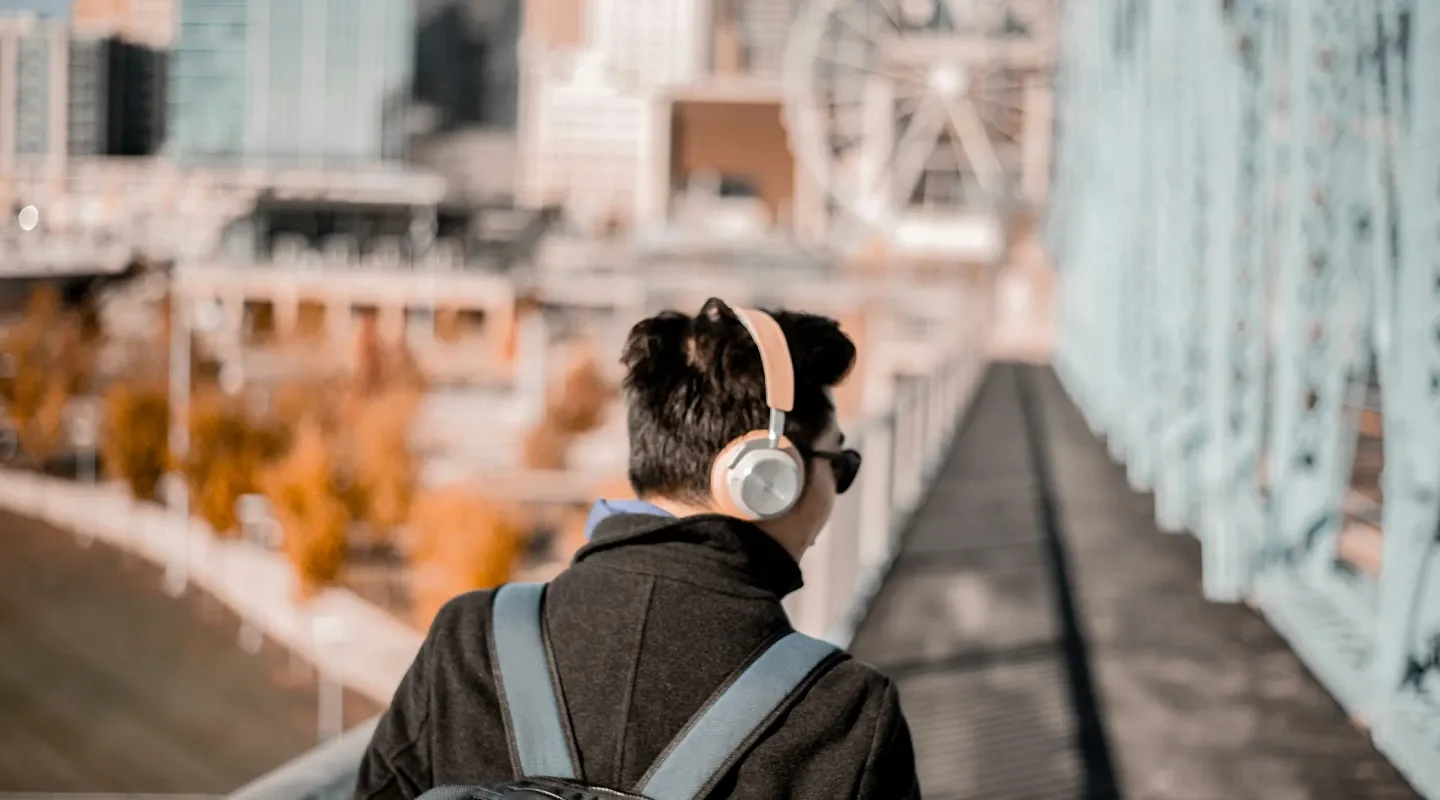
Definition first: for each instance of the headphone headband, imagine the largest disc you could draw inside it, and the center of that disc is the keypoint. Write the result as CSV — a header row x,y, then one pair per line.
x,y
774,357
759,475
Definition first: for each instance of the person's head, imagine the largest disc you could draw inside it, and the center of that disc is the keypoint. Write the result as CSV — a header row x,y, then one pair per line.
x,y
696,384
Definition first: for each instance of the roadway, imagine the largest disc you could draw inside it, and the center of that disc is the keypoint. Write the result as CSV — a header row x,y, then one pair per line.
x,y
1049,642
108,686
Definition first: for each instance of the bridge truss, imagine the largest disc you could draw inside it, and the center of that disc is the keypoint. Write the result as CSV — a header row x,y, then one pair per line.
x,y
1245,221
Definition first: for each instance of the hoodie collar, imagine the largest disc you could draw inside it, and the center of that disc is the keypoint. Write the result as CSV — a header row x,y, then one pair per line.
x,y
711,550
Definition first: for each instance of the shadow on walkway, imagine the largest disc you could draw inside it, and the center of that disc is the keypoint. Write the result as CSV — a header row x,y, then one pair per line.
x,y
1050,643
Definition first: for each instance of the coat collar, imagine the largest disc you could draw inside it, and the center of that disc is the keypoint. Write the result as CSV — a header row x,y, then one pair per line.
x,y
711,550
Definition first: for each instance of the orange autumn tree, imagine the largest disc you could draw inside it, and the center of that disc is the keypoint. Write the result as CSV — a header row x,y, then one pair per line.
x,y
384,466
313,398
545,447
51,355
313,519
229,448
137,429
584,394
460,541
385,393
574,408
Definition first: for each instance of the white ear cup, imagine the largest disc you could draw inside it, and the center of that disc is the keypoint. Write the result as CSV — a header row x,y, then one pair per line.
x,y
763,481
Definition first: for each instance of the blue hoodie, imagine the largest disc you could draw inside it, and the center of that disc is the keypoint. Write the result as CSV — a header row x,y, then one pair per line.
x,y
608,508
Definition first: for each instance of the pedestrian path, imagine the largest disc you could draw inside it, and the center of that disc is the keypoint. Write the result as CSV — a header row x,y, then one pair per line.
x,y
1050,643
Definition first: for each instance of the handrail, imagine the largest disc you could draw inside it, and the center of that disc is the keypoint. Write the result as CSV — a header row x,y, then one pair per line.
x,y
325,773
904,446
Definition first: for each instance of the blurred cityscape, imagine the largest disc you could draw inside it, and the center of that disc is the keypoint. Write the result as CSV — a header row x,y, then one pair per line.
x,y
337,291
310,316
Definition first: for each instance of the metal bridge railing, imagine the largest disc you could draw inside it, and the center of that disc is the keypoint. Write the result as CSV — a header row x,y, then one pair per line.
x,y
1245,229
903,447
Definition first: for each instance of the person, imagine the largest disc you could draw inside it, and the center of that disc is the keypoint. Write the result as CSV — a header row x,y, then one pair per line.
x,y
674,594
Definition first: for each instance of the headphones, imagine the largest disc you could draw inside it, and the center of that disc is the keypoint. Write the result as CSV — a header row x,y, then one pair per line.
x,y
760,476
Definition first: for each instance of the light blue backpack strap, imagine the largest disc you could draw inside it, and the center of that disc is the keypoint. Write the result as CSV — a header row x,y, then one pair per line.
x,y
532,707
718,731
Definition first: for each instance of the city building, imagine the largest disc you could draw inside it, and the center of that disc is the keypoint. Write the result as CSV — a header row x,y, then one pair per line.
x,y
651,43
466,63
292,83
467,93
138,79
88,90
587,142
688,92
761,27
626,111
146,22
34,65
65,93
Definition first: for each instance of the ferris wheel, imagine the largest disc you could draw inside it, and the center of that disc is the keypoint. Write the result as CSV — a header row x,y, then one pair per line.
x,y
894,104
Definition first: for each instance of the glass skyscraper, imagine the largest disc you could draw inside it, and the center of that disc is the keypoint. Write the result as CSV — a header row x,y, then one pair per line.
x,y
291,82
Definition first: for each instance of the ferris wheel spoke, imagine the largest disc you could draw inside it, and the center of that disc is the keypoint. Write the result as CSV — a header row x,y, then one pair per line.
x,y
868,68
883,42
889,14
862,27
978,149
1002,84
1009,134
1005,128
1002,102
907,106
913,149
980,16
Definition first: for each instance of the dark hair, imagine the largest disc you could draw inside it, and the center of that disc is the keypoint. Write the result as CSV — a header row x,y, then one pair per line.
x,y
695,384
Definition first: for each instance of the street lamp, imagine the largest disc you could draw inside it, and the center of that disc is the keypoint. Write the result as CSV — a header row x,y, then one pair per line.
x,y
84,425
423,228
184,317
83,437
257,527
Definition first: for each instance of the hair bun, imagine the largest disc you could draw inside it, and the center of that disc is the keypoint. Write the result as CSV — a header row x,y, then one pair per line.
x,y
716,338
715,310
656,344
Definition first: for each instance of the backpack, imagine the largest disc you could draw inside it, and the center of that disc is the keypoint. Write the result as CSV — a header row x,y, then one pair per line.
x,y
713,741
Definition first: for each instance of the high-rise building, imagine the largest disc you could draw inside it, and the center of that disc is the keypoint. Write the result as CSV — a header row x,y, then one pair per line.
x,y
627,103
89,96
64,92
146,22
591,142
652,43
34,53
466,62
55,90
291,82
138,81
763,27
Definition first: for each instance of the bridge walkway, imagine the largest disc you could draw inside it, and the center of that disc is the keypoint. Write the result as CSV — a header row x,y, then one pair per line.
x,y
1050,643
